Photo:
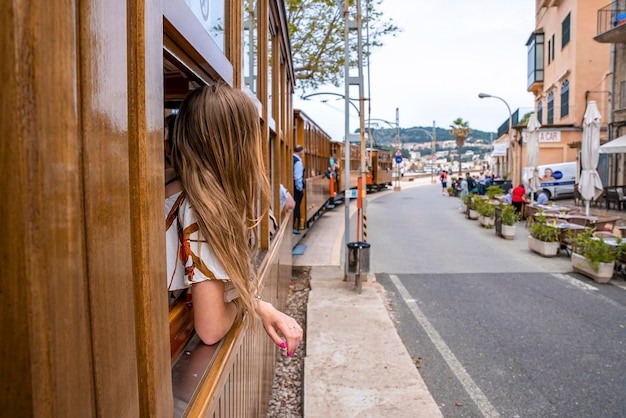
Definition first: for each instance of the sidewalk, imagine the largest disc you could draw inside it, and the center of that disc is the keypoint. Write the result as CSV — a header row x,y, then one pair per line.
x,y
355,365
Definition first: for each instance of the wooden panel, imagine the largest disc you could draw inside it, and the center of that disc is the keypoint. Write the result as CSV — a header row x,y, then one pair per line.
x,y
43,264
123,200
145,102
104,111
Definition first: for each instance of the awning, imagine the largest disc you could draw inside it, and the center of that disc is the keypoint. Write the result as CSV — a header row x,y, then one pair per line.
x,y
616,146
504,139
499,150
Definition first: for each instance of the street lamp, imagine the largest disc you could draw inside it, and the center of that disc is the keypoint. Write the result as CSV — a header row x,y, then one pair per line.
x,y
485,95
398,145
306,97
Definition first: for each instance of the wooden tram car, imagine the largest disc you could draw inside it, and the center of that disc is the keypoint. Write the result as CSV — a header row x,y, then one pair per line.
x,y
87,328
321,191
379,175
338,149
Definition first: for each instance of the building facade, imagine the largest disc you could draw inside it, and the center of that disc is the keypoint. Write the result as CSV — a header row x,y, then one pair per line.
x,y
566,70
611,32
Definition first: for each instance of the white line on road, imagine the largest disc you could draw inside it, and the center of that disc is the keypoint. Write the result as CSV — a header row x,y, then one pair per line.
x,y
569,279
455,365
584,286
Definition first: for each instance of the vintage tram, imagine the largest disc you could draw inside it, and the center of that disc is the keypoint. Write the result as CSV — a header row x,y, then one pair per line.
x,y
379,175
322,188
87,328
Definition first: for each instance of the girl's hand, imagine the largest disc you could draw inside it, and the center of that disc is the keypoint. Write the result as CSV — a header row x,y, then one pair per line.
x,y
275,321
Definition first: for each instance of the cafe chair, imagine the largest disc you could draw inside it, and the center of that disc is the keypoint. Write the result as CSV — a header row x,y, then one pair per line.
x,y
607,224
621,199
568,240
604,234
579,220
577,197
575,211
613,198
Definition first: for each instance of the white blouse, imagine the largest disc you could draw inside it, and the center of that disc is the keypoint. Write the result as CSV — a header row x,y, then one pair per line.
x,y
210,267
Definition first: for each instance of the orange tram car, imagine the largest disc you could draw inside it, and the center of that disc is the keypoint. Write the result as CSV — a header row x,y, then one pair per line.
x,y
87,327
380,173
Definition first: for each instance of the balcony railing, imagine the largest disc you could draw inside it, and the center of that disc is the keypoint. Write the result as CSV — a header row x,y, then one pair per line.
x,y
612,23
517,118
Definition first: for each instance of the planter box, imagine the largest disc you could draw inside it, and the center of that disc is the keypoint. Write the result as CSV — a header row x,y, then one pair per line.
x,y
508,231
546,249
473,214
485,221
603,275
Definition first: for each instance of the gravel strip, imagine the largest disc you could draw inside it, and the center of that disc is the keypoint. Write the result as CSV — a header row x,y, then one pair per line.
x,y
286,399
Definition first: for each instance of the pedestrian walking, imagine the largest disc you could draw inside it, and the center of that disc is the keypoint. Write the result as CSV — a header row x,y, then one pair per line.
x,y
443,177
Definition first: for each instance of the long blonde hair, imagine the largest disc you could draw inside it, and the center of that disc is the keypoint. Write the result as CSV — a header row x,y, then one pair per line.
x,y
218,157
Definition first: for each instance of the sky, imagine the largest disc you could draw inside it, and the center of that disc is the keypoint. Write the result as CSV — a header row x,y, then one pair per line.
x,y
446,53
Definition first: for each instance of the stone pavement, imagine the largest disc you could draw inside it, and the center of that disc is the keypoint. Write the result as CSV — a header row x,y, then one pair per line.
x,y
355,364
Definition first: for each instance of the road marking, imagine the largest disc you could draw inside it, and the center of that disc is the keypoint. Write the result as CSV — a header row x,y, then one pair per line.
x,y
455,365
577,283
585,286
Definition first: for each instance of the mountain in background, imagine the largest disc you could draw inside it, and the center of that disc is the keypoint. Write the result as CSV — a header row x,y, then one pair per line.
x,y
387,136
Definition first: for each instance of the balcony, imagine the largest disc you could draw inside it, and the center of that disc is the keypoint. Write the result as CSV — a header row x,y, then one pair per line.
x,y
612,23
518,118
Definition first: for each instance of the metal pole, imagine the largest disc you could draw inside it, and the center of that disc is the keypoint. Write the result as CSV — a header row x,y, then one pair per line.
x,y
346,175
485,95
397,186
363,197
432,171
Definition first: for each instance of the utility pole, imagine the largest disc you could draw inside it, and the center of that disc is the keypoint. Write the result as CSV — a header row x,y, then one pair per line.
x,y
397,188
363,170
346,171
432,169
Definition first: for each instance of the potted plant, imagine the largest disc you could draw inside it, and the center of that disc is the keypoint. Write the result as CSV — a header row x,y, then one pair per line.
x,y
594,257
474,204
493,191
486,212
543,238
509,218
450,190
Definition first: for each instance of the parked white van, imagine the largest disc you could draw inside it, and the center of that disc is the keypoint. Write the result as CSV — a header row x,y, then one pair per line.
x,y
557,180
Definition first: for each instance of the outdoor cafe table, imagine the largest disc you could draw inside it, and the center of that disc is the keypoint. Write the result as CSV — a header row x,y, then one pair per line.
x,y
611,241
548,207
592,219
563,228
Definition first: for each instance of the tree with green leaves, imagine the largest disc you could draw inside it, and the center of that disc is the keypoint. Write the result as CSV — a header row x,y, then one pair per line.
x,y
460,129
317,43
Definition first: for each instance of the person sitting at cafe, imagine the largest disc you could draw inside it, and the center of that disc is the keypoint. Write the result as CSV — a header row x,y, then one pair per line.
x,y
509,197
542,197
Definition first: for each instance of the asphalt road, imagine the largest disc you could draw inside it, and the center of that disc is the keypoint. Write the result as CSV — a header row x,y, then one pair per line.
x,y
496,330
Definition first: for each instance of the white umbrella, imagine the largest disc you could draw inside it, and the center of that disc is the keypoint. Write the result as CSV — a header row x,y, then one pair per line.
x,y
590,185
532,154
616,146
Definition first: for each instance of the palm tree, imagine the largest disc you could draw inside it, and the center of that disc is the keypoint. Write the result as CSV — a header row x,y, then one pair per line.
x,y
460,129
